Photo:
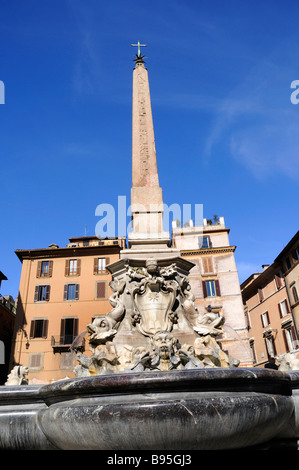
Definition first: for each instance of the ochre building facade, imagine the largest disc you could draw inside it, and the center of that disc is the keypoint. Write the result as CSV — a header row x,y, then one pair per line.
x,y
61,291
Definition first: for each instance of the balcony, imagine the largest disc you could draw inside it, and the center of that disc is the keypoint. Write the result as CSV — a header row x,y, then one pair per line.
x,y
67,343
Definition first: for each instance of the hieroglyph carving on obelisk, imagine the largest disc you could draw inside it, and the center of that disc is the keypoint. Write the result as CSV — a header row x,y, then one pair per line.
x,y
146,194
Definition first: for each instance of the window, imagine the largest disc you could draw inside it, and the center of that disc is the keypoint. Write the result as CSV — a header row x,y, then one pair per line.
x,y
260,294
42,293
265,319
295,254
39,328
288,263
73,267
36,360
100,264
68,330
270,345
205,242
100,290
295,294
44,269
211,288
290,338
207,264
252,347
71,292
278,280
283,308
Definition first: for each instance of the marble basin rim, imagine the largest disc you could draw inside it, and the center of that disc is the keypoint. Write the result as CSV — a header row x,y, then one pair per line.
x,y
205,409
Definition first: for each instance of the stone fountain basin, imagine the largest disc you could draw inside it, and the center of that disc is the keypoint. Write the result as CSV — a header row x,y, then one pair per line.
x,y
200,409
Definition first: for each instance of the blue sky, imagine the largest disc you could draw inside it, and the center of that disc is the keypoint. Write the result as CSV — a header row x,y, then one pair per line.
x,y
226,130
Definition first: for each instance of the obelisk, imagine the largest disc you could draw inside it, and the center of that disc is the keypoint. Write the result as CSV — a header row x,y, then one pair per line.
x,y
146,194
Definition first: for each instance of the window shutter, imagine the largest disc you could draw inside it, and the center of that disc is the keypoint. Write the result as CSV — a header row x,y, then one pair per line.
x,y
47,297
278,281
274,347
36,293
35,360
294,335
287,306
62,331
76,323
32,328
65,292
285,340
39,268
76,291
67,264
261,295
78,267
45,328
100,291
217,286
208,264
50,268
107,262
204,289
295,294
95,266
280,311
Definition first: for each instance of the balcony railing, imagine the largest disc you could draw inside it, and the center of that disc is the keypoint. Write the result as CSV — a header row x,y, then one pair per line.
x,y
67,343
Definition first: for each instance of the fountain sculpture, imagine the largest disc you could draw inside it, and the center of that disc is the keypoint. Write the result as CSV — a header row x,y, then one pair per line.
x,y
153,309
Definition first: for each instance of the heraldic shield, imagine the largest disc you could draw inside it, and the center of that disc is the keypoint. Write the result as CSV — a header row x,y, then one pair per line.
x,y
154,304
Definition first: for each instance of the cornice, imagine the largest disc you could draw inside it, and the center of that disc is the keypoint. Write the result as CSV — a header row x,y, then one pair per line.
x,y
66,252
208,251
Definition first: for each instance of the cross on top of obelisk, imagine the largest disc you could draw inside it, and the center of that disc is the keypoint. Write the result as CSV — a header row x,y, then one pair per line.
x,y
139,45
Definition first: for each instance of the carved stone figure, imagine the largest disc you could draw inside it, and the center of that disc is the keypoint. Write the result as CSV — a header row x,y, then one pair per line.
x,y
209,324
157,302
287,362
165,352
103,329
17,376
210,353
188,358
82,370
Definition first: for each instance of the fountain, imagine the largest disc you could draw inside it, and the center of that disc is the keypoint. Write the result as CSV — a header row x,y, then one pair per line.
x,y
156,378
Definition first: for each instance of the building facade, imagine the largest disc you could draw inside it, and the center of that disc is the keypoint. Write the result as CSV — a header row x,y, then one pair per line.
x,y
214,281
288,260
271,306
61,291
7,322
